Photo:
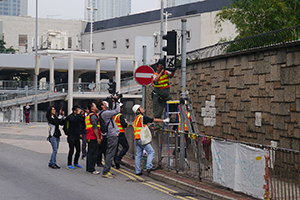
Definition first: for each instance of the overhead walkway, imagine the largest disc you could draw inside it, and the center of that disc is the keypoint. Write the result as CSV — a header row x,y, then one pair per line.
x,y
20,96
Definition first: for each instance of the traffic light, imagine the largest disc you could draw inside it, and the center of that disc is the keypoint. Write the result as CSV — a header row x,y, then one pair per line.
x,y
171,47
112,86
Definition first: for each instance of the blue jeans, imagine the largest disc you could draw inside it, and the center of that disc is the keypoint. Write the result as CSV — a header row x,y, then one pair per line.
x,y
54,143
139,153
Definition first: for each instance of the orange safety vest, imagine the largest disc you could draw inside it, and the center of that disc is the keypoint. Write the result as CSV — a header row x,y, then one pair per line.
x,y
163,81
185,126
90,134
118,122
137,126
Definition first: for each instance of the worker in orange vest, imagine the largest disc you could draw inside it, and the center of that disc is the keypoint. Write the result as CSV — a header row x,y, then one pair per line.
x,y
122,124
140,122
161,91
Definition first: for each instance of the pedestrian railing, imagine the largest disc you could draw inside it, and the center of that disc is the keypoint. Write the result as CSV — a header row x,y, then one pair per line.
x,y
282,171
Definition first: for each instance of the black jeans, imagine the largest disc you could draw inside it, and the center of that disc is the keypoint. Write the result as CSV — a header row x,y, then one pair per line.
x,y
124,143
102,150
91,155
73,143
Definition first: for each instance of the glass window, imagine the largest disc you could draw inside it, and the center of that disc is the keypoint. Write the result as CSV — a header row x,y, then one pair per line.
x,y
115,44
69,42
102,46
22,40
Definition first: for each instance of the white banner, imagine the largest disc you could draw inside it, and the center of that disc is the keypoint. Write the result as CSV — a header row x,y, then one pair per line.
x,y
239,167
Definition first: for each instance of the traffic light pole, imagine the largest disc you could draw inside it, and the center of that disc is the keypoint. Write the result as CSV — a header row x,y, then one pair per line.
x,y
161,26
144,87
183,91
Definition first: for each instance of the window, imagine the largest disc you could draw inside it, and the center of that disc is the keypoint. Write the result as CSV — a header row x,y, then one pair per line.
x,y
102,46
69,42
115,44
22,40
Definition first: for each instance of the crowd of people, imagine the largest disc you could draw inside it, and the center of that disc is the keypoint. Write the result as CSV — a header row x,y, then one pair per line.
x,y
88,125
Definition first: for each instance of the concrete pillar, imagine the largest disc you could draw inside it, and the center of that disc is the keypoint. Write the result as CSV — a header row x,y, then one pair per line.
x,y
51,74
70,83
98,75
135,65
118,74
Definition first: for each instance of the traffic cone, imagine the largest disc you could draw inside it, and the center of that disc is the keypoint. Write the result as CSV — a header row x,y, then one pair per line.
x,y
55,90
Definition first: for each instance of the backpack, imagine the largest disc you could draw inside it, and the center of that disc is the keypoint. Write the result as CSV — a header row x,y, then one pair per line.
x,y
103,126
66,126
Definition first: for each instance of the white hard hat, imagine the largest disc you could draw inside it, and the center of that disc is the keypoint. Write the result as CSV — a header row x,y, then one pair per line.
x,y
135,108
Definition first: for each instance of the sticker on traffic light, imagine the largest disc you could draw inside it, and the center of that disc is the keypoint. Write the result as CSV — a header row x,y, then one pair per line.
x,y
171,47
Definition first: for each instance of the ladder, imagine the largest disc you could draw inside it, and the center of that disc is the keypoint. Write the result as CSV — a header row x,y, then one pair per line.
x,y
186,105
172,107
183,106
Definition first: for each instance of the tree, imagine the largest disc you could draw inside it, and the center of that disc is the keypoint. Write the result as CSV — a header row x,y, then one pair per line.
x,y
252,17
3,49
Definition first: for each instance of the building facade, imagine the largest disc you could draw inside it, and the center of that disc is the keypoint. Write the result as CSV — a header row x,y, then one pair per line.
x,y
14,7
170,3
55,34
106,9
119,35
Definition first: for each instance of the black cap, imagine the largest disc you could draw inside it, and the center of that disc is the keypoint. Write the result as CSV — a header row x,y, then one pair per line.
x,y
161,61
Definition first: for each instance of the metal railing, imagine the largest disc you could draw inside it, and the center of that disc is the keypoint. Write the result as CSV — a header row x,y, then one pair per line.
x,y
272,38
283,169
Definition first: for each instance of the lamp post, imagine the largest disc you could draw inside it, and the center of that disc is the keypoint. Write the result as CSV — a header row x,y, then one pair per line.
x,y
91,9
36,62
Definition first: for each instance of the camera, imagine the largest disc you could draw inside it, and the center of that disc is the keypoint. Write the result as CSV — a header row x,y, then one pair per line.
x,y
110,99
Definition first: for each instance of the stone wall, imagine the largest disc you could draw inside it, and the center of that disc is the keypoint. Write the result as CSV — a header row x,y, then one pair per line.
x,y
255,94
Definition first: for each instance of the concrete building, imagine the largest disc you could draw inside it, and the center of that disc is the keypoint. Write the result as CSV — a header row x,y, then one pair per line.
x,y
170,3
107,9
19,32
120,35
13,7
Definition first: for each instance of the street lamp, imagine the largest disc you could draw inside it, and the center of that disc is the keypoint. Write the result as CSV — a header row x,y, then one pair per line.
x,y
91,9
36,63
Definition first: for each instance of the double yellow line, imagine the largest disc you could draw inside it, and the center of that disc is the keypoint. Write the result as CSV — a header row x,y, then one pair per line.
x,y
155,186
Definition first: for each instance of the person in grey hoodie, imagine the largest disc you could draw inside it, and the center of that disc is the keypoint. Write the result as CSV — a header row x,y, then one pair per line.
x,y
112,134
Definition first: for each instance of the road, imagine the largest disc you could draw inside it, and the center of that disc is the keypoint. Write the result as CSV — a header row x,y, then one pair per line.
x,y
24,172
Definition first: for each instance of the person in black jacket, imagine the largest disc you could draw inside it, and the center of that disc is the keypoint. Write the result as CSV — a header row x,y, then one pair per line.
x,y
74,120
54,133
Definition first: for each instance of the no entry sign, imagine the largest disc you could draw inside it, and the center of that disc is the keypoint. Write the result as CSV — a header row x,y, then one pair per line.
x,y
143,75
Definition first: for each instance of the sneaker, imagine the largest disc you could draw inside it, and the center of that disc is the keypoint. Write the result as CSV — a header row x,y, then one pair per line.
x,y
56,166
151,169
94,172
77,166
111,174
107,176
70,167
139,174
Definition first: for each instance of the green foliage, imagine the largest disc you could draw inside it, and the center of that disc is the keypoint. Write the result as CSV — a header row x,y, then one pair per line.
x,y
3,49
252,17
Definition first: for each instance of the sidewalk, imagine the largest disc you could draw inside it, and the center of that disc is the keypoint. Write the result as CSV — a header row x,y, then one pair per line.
x,y
189,184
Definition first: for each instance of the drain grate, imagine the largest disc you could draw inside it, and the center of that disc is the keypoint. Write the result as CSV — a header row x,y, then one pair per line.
x,y
182,194
135,180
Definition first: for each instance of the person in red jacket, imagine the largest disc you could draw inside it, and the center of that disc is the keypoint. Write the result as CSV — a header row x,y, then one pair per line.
x,y
93,137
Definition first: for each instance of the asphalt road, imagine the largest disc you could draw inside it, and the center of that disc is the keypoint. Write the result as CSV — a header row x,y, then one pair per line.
x,y
25,175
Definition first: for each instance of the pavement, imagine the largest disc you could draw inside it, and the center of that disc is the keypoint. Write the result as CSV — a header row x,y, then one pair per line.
x,y
206,190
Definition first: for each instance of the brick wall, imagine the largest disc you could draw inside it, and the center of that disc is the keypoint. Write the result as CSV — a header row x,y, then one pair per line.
x,y
255,94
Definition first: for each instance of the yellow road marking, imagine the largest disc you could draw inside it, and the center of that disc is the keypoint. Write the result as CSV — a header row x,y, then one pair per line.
x,y
149,183
191,198
14,126
31,126
154,187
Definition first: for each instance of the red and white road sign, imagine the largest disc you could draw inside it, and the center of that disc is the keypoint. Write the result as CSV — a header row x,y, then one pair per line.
x,y
143,75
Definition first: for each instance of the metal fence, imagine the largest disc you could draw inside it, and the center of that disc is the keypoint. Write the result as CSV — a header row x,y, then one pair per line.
x,y
273,38
283,169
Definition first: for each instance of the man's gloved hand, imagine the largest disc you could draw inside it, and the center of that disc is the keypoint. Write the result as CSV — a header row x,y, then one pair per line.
x,y
167,120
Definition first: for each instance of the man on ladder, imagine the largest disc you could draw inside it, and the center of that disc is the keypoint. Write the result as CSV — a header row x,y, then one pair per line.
x,y
161,91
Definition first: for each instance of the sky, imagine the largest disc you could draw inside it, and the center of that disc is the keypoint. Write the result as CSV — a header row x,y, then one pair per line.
x,y
74,9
